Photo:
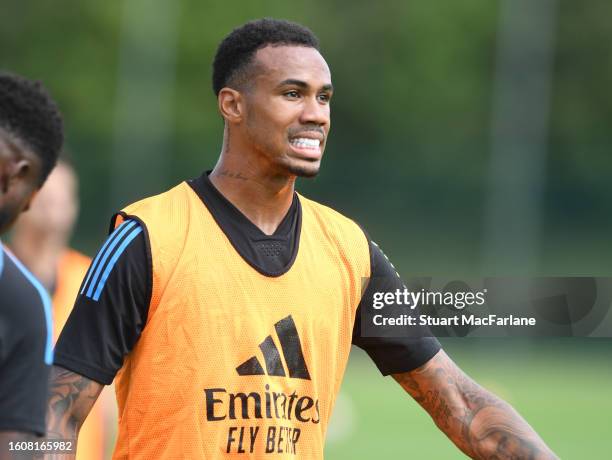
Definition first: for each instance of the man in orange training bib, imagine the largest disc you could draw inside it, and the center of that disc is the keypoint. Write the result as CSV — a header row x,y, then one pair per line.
x,y
225,307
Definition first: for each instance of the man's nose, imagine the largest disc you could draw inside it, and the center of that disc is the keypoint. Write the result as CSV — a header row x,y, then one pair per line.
x,y
315,112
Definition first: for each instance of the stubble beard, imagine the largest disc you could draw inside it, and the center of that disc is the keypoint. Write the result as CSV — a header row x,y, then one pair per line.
x,y
284,163
304,171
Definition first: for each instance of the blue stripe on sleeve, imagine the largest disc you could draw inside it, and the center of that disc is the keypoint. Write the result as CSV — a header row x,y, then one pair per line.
x,y
46,301
1,258
113,261
102,251
107,253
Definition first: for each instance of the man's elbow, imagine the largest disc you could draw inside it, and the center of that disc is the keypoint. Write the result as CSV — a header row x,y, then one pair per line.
x,y
504,447
501,433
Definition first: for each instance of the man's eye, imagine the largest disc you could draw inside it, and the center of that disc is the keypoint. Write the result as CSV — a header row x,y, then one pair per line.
x,y
324,97
292,94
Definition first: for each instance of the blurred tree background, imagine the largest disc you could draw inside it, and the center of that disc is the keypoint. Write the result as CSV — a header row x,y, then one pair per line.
x,y
411,133
411,137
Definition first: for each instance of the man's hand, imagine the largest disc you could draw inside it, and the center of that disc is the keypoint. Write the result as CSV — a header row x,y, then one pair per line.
x,y
478,422
71,397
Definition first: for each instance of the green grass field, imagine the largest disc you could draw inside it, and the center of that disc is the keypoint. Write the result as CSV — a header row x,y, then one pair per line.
x,y
563,387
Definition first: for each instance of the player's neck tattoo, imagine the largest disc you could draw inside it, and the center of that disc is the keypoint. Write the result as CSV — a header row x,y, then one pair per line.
x,y
233,174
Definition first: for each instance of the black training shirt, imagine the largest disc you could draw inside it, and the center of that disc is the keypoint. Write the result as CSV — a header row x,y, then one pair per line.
x,y
111,309
25,348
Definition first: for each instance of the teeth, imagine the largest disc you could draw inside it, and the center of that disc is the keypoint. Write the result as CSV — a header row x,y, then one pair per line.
x,y
303,142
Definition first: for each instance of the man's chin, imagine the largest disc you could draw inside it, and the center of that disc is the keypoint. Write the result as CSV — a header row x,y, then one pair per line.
x,y
307,170
303,168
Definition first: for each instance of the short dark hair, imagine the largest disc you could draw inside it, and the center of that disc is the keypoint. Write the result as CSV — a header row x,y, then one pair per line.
x,y
237,50
28,113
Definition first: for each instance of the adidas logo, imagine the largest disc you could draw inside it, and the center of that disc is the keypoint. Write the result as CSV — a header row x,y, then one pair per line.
x,y
292,352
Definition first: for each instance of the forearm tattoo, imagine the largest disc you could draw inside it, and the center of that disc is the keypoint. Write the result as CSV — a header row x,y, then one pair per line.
x,y
71,397
479,423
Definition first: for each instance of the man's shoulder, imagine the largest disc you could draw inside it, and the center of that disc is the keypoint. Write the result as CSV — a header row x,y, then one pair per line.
x,y
333,220
161,218
166,198
23,300
166,212
324,210
16,282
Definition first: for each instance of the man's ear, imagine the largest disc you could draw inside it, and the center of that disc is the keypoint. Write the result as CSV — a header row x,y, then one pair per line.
x,y
22,168
13,170
4,176
231,105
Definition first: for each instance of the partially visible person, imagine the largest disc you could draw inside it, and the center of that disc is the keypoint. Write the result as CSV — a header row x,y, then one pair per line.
x,y
31,137
41,239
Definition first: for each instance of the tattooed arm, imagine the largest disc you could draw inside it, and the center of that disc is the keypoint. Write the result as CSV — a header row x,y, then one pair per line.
x,y
71,397
478,422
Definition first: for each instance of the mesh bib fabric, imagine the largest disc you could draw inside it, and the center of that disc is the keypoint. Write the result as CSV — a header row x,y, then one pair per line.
x,y
233,363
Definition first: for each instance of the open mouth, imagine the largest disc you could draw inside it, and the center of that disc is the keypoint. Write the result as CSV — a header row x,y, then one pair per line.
x,y
304,143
